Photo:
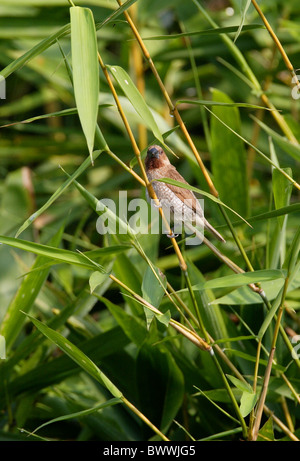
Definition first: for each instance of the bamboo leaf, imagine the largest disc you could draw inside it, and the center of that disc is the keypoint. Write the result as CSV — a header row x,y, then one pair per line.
x,y
136,99
248,401
219,30
96,279
60,255
152,291
294,208
235,280
26,295
261,154
200,102
85,70
292,149
266,433
202,192
77,355
241,385
160,372
118,11
82,413
132,325
242,26
228,155
52,39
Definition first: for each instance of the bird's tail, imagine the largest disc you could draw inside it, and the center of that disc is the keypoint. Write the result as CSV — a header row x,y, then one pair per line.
x,y
210,228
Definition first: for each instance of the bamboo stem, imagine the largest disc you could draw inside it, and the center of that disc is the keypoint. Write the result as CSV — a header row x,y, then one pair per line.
x,y
285,57
189,334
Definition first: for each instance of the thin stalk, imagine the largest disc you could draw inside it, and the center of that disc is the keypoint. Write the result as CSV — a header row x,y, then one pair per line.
x,y
187,41
280,48
183,305
196,307
141,252
236,238
287,414
137,63
144,418
127,168
231,395
280,424
292,389
255,376
287,176
261,402
260,406
189,334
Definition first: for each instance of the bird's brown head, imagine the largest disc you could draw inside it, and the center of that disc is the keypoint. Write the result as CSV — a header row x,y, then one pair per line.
x,y
156,157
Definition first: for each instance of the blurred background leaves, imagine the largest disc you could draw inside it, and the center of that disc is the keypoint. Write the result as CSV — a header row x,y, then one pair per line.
x,y
158,371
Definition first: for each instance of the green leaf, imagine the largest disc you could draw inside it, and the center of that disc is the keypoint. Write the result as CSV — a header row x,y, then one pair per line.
x,y
228,156
133,326
82,413
85,70
292,256
77,355
282,189
242,26
118,11
241,385
200,102
2,347
248,397
96,279
66,256
291,149
136,100
212,317
52,39
248,401
35,51
266,433
219,30
164,318
199,191
159,380
153,290
252,358
235,280
126,271
26,295
245,296
261,154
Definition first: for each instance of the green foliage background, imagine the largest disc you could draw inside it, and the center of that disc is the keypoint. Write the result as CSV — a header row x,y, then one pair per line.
x,y
46,217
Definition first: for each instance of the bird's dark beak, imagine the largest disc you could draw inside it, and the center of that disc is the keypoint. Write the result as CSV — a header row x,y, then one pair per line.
x,y
153,152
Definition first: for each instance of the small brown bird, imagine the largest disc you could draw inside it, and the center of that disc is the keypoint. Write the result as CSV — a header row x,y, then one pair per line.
x,y
180,204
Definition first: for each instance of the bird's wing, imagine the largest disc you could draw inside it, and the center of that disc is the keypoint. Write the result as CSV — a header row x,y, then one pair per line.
x,y
183,194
